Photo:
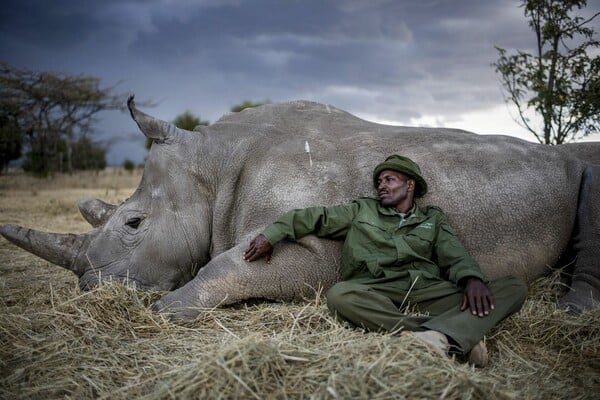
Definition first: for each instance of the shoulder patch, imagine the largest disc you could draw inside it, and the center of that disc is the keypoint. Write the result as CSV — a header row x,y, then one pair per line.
x,y
425,225
366,203
436,208
366,200
429,210
449,229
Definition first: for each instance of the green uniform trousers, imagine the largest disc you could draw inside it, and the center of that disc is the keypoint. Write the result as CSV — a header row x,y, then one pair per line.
x,y
378,304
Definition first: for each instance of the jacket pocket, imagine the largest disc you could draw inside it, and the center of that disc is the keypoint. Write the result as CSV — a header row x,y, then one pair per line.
x,y
420,279
420,244
371,229
374,267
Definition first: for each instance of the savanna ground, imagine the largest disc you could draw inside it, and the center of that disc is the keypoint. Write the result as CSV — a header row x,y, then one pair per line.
x,y
57,342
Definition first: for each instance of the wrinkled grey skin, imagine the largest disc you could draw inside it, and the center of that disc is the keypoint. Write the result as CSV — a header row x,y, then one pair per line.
x,y
205,194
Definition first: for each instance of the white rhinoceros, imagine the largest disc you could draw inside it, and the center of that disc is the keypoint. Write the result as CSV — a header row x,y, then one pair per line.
x,y
517,206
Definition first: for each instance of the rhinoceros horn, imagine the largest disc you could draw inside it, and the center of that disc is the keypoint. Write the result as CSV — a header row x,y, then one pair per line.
x,y
62,249
155,129
95,211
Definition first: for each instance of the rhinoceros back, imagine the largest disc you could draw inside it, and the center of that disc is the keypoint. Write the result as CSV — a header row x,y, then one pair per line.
x,y
496,190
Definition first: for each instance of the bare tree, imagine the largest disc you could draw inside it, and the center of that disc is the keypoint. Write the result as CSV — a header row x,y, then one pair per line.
x,y
51,110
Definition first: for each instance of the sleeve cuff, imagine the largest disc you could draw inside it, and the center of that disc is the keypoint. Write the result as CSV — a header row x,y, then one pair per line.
x,y
273,234
472,274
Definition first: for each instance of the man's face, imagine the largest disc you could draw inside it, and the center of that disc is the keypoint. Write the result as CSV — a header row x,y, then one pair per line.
x,y
393,188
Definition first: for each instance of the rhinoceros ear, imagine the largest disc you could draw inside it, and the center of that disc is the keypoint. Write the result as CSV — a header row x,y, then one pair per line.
x,y
95,211
155,129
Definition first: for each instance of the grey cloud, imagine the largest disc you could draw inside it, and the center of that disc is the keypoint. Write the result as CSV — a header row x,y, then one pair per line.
x,y
36,22
393,59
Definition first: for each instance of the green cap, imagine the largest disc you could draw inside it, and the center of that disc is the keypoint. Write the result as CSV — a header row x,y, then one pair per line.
x,y
406,166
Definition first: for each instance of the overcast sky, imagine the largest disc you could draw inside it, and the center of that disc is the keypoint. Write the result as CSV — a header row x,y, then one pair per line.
x,y
402,62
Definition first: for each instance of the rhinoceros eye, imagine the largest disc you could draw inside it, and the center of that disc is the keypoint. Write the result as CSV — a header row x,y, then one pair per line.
x,y
133,222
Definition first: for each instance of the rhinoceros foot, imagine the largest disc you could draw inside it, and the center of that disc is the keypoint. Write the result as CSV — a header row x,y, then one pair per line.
x,y
188,302
582,297
175,310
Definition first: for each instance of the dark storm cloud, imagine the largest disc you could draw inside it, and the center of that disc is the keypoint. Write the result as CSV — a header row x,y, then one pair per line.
x,y
392,49
385,46
57,24
252,37
392,60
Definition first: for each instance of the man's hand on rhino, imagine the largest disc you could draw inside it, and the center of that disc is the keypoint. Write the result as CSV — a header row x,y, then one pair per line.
x,y
259,247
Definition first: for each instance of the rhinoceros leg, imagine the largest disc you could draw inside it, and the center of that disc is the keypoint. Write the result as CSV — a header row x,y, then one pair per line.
x,y
585,285
228,279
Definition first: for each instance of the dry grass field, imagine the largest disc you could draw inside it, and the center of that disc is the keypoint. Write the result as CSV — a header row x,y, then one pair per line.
x,y
57,342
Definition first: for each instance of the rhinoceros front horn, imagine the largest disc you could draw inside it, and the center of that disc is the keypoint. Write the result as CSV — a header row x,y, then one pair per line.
x,y
58,248
155,129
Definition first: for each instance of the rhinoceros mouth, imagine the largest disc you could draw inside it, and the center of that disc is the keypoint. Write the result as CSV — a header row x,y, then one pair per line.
x,y
93,279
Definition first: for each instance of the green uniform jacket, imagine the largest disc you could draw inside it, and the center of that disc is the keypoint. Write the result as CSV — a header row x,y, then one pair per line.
x,y
418,250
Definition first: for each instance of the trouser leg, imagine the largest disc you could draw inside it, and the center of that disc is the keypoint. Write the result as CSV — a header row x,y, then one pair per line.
x,y
377,307
467,329
370,306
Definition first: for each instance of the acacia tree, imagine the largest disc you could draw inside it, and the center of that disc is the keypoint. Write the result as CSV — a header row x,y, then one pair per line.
x,y
11,142
247,104
52,110
188,121
560,81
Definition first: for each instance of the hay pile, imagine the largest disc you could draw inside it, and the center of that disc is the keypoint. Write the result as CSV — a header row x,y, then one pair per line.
x,y
56,342
62,343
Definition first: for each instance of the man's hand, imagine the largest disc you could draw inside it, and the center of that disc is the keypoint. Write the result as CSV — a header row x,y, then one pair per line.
x,y
259,247
478,297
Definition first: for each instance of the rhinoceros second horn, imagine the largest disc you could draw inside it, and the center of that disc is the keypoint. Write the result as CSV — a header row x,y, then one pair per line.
x,y
95,211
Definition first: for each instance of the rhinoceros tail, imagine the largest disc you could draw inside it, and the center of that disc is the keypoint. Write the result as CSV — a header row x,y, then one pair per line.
x,y
60,249
155,129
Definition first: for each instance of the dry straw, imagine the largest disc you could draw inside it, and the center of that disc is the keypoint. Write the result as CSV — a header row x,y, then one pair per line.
x,y
107,344
57,342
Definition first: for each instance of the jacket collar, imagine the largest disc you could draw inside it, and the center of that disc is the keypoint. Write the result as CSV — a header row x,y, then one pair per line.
x,y
414,216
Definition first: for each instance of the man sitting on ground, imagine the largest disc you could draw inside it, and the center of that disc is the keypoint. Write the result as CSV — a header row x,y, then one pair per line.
x,y
397,255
